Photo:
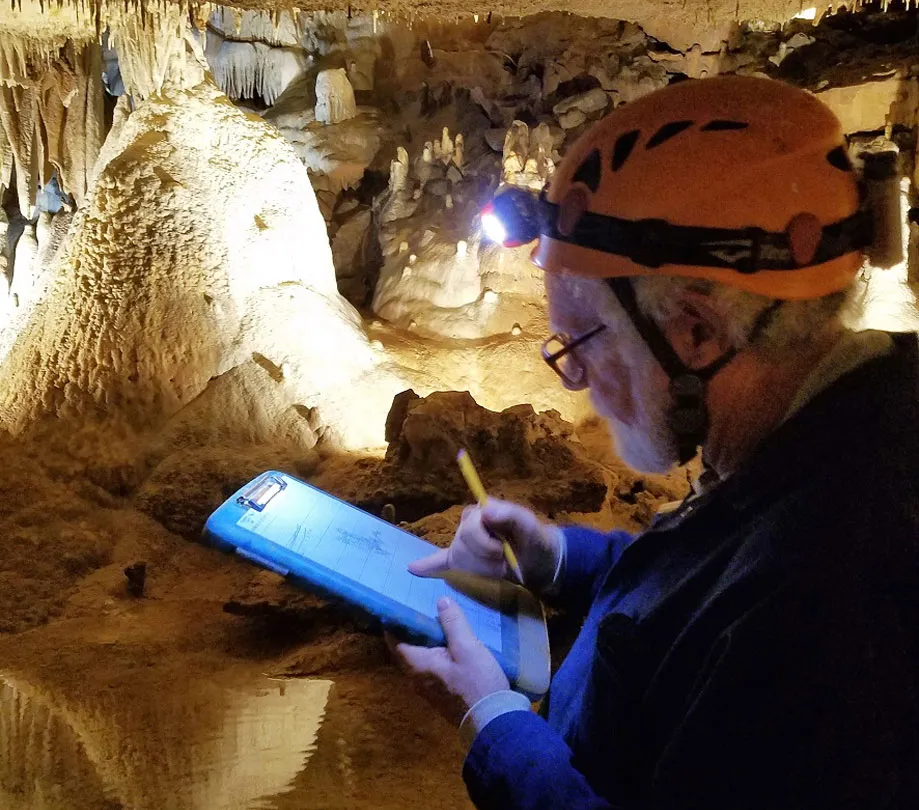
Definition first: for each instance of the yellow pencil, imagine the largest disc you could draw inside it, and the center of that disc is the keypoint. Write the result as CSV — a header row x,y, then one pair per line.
x,y
478,491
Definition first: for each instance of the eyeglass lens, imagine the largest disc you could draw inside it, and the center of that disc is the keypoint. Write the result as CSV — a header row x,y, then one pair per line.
x,y
567,364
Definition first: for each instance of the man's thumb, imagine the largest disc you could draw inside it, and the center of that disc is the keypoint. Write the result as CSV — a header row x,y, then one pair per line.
x,y
433,564
457,630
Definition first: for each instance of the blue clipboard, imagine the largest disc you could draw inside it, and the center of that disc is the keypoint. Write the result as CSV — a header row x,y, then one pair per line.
x,y
329,547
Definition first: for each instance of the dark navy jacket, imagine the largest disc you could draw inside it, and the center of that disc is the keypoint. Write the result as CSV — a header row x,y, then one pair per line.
x,y
760,650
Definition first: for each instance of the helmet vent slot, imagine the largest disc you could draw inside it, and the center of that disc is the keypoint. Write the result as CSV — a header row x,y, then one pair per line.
x,y
589,171
623,148
720,125
666,132
838,158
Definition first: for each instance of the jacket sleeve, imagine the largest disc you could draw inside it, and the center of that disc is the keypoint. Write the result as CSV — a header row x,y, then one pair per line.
x,y
518,762
588,556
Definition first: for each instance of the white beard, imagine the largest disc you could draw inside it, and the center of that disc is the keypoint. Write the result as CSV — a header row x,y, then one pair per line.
x,y
647,445
645,448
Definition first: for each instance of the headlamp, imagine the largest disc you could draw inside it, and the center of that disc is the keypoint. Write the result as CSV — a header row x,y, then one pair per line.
x,y
516,217
512,218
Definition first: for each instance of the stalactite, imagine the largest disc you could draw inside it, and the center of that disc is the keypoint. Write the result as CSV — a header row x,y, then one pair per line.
x,y
245,70
51,117
17,118
153,50
6,162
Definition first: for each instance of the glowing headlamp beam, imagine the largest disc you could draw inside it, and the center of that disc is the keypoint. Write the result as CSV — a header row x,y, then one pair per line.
x,y
493,227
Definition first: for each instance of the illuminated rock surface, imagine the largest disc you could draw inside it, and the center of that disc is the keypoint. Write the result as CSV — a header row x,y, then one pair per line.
x,y
178,270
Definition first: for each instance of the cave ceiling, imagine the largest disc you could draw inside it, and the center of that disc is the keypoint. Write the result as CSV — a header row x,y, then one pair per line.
x,y
681,23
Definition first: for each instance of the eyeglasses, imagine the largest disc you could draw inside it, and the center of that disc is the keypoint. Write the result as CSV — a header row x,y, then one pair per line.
x,y
557,351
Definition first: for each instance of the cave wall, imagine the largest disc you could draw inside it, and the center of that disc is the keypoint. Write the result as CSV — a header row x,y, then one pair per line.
x,y
404,127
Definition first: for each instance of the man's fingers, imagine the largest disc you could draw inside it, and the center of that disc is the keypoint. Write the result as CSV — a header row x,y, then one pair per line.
x,y
457,630
423,660
436,563
510,520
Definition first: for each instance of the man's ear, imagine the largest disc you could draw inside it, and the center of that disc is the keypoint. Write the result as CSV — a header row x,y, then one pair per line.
x,y
698,333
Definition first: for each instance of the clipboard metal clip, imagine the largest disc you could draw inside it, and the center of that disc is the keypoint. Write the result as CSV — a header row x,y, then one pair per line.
x,y
261,492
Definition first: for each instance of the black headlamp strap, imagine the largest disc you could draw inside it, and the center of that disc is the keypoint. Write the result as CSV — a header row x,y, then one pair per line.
x,y
652,335
688,417
656,242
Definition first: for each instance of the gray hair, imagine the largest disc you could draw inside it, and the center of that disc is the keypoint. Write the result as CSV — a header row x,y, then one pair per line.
x,y
792,326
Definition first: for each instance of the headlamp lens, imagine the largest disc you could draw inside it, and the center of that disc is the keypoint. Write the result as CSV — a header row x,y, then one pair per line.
x,y
493,227
512,218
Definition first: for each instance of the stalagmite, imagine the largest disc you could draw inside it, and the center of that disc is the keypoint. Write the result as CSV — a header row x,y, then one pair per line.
x,y
43,230
24,264
334,97
516,147
398,171
527,155
446,146
459,150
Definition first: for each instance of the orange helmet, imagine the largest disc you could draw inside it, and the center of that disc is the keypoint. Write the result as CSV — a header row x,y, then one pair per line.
x,y
739,180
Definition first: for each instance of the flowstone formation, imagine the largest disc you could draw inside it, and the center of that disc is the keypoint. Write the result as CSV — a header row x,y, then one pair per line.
x,y
182,268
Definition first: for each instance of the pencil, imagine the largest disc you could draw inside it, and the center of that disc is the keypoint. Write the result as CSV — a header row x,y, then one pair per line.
x,y
478,492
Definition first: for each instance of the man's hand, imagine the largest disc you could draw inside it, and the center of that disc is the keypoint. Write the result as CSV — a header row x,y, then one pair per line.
x,y
456,677
476,547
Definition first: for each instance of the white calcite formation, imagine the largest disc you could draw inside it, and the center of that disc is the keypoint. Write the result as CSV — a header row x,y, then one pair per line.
x,y
877,105
334,97
250,70
4,255
157,50
336,155
24,269
438,277
182,267
529,156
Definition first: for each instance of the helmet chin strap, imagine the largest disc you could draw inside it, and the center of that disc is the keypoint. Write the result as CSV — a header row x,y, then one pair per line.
x,y
688,415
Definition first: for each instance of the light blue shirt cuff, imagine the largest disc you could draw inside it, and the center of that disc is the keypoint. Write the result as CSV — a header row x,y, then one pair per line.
x,y
487,709
553,587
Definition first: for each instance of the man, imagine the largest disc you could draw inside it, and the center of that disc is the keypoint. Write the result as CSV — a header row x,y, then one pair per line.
x,y
759,646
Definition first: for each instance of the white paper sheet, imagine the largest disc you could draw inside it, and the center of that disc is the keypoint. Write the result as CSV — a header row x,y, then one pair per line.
x,y
365,549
